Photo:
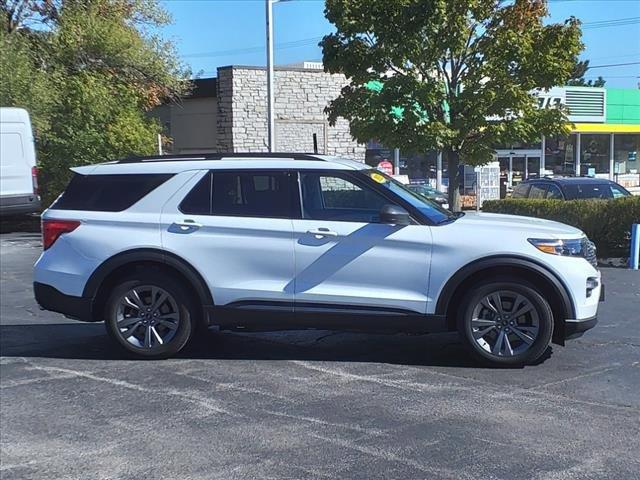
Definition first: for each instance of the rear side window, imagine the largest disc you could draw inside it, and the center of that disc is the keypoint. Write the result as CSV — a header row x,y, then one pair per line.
x,y
241,194
198,200
554,192
521,191
107,193
537,191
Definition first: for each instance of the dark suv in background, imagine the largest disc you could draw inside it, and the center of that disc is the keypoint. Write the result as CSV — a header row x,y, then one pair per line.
x,y
569,188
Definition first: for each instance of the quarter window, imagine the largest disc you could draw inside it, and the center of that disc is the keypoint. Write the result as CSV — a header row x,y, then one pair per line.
x,y
107,193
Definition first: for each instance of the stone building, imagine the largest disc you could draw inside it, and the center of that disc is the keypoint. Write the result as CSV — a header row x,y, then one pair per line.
x,y
229,113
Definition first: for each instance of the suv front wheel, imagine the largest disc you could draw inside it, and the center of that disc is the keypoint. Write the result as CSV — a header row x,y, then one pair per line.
x,y
506,322
150,315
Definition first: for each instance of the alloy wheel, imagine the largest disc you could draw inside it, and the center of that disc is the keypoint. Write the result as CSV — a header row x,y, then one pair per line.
x,y
147,316
505,323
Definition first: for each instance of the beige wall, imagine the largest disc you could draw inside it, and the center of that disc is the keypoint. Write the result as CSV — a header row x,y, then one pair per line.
x,y
301,96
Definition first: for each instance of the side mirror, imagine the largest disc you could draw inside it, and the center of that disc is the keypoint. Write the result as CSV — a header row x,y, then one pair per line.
x,y
394,215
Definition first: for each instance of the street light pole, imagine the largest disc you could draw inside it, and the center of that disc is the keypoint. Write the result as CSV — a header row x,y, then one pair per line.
x,y
271,137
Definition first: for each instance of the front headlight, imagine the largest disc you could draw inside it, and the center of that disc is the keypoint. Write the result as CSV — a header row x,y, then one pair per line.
x,y
570,248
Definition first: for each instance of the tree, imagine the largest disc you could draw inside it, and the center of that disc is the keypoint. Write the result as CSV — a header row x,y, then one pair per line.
x,y
455,75
577,77
87,74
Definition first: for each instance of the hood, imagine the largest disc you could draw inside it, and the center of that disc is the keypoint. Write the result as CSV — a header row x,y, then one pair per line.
x,y
533,227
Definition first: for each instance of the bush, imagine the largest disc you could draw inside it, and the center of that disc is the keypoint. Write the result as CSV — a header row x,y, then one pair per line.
x,y
607,223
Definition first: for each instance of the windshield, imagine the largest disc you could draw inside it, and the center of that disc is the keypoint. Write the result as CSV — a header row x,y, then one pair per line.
x,y
427,207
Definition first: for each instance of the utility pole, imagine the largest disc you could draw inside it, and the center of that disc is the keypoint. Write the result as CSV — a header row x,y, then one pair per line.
x,y
271,137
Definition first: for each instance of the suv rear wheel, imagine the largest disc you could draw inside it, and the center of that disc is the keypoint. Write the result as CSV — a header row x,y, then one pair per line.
x,y
506,322
150,315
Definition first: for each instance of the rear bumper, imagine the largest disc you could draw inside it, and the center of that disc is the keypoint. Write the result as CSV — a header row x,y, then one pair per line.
x,y
576,328
50,298
19,204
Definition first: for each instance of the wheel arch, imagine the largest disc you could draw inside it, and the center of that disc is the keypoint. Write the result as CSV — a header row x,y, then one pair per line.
x,y
552,287
104,277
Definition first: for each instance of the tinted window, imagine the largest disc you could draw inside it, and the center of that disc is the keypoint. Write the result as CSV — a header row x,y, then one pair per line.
x,y
588,190
537,191
335,197
554,192
521,191
107,193
198,200
427,207
251,194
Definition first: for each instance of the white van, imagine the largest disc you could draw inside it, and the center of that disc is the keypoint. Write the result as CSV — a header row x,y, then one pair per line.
x,y
18,171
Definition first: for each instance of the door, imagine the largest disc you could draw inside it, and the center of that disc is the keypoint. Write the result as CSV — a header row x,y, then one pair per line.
x,y
235,228
347,259
16,159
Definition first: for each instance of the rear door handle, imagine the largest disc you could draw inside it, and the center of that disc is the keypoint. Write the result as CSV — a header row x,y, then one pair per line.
x,y
187,226
322,232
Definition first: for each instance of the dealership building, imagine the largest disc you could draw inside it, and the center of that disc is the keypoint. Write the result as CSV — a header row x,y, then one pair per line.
x,y
229,113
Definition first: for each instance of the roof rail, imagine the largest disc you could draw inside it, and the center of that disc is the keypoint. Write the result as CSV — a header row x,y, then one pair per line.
x,y
219,156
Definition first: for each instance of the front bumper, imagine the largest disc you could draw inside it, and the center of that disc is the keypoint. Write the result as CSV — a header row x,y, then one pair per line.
x,y
50,298
576,328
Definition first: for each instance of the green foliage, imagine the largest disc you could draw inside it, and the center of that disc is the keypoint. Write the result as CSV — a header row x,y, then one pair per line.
x,y
468,66
87,79
606,222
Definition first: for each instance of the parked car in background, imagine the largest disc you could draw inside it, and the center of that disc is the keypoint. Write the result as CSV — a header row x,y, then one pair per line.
x,y
158,247
18,171
431,193
569,188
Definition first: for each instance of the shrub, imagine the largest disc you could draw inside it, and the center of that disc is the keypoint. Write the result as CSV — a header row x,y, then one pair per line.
x,y
607,223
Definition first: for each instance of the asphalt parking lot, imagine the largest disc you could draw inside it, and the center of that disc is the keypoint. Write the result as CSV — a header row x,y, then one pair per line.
x,y
313,404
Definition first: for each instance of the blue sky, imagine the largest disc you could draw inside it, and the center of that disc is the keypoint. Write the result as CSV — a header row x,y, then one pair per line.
x,y
214,33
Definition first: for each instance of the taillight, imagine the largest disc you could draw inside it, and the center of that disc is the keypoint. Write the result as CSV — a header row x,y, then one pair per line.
x,y
52,229
34,180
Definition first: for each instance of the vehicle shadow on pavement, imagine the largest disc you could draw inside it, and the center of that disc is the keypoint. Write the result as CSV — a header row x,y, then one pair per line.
x,y
88,341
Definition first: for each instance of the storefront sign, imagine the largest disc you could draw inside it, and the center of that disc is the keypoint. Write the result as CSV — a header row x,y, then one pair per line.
x,y
386,167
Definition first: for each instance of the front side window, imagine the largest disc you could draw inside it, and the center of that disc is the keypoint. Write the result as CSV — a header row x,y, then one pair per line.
x,y
618,192
588,190
430,209
327,196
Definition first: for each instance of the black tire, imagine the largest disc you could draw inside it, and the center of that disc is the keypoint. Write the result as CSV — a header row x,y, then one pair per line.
x,y
540,313
180,301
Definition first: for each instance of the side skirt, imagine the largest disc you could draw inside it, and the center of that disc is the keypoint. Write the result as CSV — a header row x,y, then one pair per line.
x,y
273,316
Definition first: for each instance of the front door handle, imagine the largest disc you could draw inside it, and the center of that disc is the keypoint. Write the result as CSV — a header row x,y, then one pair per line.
x,y
323,232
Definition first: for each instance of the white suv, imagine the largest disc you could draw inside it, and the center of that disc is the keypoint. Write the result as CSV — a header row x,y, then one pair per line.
x,y
160,247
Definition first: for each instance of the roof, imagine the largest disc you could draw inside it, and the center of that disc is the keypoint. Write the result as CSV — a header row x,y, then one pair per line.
x,y
253,161
571,180
12,114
